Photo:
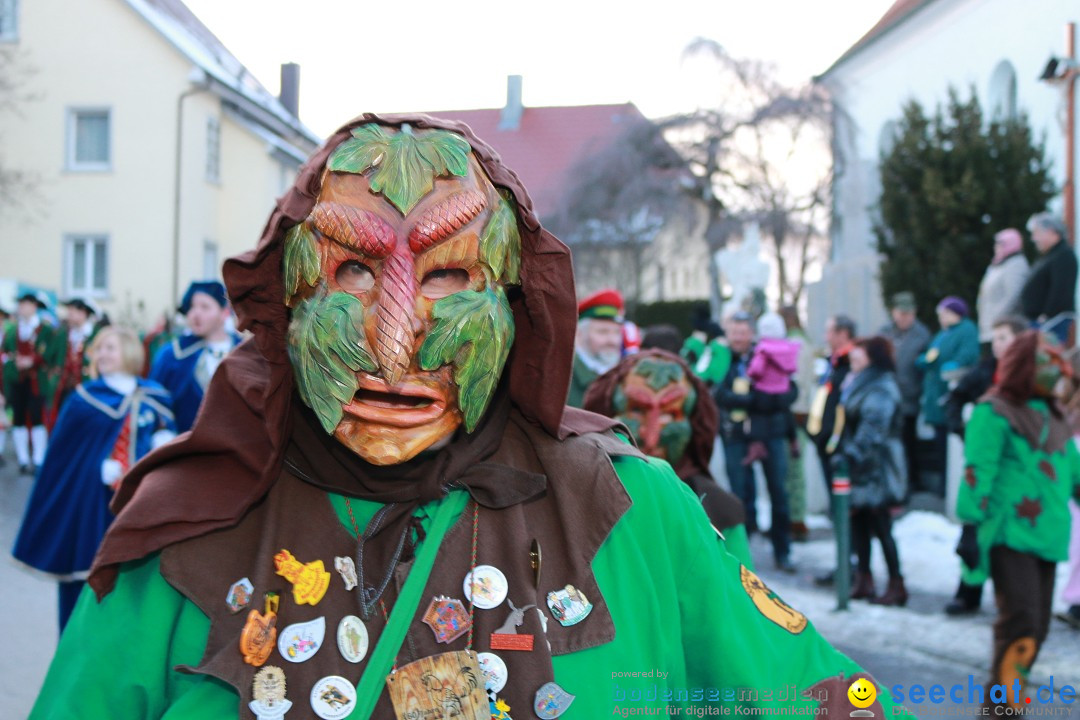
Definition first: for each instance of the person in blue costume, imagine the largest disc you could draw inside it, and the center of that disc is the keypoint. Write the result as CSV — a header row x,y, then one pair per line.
x,y
184,367
105,426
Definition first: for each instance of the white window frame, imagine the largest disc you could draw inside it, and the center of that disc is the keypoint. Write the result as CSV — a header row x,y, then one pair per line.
x,y
211,246
71,240
72,164
9,31
213,150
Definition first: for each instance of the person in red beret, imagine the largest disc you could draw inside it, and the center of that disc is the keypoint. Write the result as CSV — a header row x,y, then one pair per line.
x,y
598,346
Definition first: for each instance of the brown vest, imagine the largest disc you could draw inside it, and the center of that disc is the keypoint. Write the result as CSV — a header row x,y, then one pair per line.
x,y
583,501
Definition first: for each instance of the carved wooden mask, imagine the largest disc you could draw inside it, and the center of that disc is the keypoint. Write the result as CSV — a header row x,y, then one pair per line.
x,y
400,324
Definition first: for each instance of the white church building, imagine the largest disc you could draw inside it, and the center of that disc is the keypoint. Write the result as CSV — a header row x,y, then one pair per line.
x,y
917,51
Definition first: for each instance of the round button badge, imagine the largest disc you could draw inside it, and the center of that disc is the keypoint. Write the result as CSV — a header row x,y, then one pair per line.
x,y
494,670
485,586
333,697
352,638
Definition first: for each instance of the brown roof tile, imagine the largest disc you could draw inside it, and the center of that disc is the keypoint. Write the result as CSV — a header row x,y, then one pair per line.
x,y
548,142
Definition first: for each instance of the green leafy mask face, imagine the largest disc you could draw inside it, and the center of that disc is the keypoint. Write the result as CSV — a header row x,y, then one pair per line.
x,y
654,401
1047,373
400,321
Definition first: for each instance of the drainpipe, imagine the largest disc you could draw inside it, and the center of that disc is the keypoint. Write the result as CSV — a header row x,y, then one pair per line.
x,y
200,82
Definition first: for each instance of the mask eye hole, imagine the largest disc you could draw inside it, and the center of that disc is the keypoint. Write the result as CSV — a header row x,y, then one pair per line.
x,y
354,277
444,281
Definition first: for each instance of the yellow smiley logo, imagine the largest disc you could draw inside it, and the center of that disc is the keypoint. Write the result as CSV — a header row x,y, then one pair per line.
x,y
862,693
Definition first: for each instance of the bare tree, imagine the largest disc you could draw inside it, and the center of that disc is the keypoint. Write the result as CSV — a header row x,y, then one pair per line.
x,y
762,154
616,202
18,188
759,153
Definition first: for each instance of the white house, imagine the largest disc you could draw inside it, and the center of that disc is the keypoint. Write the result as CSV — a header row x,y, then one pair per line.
x,y
916,51
157,154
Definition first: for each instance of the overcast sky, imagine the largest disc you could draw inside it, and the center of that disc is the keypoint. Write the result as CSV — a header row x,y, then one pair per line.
x,y
398,56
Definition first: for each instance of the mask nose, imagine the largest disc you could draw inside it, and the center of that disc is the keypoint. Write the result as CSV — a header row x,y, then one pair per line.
x,y
650,431
394,325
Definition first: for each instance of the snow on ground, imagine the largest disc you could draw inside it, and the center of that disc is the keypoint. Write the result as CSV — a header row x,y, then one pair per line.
x,y
931,571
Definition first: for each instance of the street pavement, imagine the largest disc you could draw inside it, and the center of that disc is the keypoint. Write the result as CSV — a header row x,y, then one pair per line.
x,y
27,607
917,644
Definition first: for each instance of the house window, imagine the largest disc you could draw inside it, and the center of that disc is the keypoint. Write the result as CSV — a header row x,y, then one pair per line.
x,y
1003,91
213,150
89,139
86,265
211,266
9,20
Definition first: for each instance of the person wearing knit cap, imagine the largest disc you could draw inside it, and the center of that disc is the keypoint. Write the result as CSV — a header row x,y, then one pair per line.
x,y
598,344
1021,470
999,291
952,352
385,489
775,358
186,365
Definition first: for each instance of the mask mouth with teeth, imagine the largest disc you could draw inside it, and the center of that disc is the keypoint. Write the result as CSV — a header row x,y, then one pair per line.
x,y
396,281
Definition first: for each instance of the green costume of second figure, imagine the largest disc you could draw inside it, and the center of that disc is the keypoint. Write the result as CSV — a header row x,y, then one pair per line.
x,y
1021,469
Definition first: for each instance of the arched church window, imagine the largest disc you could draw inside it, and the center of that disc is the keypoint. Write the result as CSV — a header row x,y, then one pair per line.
x,y
1002,95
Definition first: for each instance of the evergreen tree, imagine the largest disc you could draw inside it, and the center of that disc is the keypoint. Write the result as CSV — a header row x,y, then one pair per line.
x,y
947,185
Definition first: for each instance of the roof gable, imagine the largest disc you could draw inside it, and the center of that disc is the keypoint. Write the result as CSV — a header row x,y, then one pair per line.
x,y
175,21
897,13
548,142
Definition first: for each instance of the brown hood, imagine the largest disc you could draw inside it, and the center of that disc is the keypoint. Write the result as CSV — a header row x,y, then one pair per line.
x,y
208,478
1014,386
703,421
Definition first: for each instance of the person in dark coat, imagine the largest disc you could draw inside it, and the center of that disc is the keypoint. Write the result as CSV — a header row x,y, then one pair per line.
x,y
874,454
821,423
910,338
754,426
1050,289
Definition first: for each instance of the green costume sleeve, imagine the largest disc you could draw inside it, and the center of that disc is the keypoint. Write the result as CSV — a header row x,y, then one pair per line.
x,y
719,363
738,544
692,349
116,658
699,630
984,444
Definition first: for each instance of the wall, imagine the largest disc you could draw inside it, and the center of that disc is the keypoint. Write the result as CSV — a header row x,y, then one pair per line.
x,y
957,42
126,65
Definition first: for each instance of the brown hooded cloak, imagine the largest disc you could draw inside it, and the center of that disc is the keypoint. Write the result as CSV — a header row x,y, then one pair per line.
x,y
254,462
